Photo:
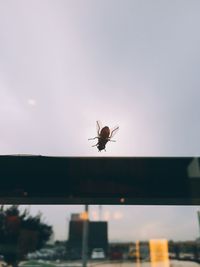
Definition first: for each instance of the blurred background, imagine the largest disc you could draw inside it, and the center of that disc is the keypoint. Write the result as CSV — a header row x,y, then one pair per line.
x,y
52,235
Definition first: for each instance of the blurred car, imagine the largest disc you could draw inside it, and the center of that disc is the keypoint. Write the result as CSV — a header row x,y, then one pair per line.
x,y
2,261
116,255
3,264
97,254
186,256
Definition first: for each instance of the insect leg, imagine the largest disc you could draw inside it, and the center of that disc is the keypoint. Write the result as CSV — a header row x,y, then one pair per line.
x,y
95,145
92,138
99,127
111,140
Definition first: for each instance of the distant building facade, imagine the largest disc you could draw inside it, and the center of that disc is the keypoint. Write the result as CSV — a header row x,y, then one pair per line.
x,y
75,217
97,236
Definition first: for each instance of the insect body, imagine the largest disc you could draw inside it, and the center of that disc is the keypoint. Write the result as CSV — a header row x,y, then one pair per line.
x,y
104,135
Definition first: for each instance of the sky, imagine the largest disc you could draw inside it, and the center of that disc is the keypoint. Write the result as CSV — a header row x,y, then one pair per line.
x,y
65,64
127,223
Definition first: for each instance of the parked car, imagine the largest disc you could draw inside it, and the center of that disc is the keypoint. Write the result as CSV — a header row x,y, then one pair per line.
x,y
116,255
97,254
2,262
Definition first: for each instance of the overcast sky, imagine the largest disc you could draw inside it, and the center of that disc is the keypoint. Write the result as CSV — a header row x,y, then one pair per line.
x,y
66,63
128,223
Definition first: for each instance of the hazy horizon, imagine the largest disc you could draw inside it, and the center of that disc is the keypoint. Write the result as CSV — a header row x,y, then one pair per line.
x,y
127,223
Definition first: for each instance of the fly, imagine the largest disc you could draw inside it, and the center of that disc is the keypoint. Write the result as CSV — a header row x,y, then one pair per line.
x,y
104,135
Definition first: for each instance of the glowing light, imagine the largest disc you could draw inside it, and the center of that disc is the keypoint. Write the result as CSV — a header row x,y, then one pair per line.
x,y
137,253
95,215
84,215
117,215
159,253
32,102
106,216
122,200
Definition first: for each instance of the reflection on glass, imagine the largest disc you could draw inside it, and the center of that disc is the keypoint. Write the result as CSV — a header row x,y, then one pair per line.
x,y
159,253
131,236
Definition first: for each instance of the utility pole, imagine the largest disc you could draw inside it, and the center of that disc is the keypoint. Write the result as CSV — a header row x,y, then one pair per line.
x,y
100,212
85,218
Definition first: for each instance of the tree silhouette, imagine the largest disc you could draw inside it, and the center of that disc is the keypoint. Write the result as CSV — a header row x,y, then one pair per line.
x,y
21,233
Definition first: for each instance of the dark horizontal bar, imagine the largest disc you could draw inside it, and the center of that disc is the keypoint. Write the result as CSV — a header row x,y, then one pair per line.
x,y
101,178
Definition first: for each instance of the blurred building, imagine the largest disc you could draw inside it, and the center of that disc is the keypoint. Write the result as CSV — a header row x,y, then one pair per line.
x,y
97,236
75,217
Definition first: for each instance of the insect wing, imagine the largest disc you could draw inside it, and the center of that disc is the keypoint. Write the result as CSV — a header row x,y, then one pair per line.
x,y
113,131
99,127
